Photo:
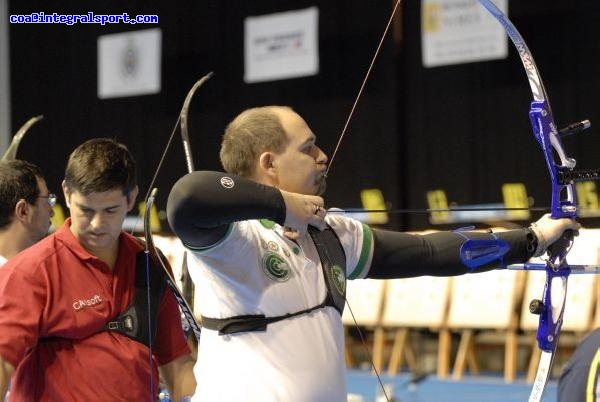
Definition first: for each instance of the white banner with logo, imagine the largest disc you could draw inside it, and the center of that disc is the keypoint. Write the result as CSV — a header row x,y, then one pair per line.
x,y
461,31
282,45
129,63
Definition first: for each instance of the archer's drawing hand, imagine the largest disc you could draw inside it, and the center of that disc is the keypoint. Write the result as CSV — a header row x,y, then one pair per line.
x,y
300,211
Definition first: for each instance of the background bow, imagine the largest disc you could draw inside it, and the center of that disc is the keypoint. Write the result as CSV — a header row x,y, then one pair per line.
x,y
150,250
150,196
11,152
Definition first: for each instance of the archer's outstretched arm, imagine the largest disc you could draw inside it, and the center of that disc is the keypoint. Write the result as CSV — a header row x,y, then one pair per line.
x,y
401,255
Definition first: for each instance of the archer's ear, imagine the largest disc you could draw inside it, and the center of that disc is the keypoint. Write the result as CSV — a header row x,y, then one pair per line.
x,y
266,167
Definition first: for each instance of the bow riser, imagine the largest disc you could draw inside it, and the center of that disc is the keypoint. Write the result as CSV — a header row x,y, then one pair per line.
x,y
563,205
564,199
551,319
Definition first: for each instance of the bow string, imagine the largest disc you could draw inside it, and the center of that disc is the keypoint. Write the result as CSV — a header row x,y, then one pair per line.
x,y
397,3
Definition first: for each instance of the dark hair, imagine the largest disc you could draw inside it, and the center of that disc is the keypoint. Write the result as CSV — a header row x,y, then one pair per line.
x,y
18,181
99,165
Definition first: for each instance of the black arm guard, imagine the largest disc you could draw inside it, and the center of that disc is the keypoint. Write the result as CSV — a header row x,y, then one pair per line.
x,y
202,204
402,255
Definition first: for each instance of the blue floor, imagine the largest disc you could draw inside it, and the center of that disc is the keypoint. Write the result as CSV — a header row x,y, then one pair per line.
x,y
432,389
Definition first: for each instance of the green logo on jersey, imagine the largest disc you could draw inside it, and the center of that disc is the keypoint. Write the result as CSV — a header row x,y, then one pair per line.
x,y
275,267
339,279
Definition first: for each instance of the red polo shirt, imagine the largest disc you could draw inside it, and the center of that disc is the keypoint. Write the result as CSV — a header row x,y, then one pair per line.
x,y
55,297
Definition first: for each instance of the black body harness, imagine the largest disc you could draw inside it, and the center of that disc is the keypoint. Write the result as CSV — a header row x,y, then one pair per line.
x,y
333,262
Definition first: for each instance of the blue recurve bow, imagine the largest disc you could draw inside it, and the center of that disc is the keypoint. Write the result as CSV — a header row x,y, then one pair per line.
x,y
564,205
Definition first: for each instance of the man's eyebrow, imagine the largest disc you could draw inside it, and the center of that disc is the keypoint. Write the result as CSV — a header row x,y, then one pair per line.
x,y
84,206
310,139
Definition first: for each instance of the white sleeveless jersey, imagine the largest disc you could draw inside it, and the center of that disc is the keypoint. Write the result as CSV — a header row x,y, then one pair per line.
x,y
256,270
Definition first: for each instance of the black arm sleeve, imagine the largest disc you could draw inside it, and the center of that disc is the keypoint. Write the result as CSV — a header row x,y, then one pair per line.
x,y
403,255
203,204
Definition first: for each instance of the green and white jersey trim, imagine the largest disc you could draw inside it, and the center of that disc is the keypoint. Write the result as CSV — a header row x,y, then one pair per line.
x,y
366,254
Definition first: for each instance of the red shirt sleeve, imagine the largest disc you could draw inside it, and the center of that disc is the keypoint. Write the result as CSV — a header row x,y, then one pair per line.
x,y
22,303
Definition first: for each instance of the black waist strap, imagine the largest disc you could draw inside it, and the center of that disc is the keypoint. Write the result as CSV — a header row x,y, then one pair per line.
x,y
250,323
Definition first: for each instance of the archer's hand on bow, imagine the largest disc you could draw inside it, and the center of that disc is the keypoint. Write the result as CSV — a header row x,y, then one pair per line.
x,y
300,211
549,230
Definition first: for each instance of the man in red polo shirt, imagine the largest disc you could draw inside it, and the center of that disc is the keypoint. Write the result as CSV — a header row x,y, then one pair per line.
x,y
63,332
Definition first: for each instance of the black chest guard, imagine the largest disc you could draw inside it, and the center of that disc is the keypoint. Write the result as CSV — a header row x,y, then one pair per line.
x,y
333,262
134,321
